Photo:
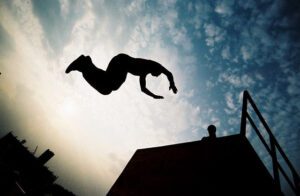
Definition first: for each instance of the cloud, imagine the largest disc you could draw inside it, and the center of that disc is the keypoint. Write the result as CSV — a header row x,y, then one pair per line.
x,y
136,6
293,87
167,4
246,54
226,53
236,81
224,7
180,37
214,34
211,30
64,7
200,12
176,32
6,42
21,23
229,101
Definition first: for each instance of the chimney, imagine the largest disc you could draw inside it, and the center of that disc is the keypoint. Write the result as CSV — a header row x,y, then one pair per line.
x,y
46,156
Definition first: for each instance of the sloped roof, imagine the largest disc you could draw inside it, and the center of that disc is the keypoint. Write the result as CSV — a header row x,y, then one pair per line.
x,y
222,166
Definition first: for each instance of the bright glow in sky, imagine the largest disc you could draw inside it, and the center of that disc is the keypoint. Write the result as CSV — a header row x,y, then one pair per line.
x,y
215,50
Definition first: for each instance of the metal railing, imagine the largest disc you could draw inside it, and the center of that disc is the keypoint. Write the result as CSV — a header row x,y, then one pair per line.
x,y
272,149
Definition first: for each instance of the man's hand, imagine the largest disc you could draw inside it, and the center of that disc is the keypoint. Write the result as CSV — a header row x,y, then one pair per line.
x,y
173,87
158,97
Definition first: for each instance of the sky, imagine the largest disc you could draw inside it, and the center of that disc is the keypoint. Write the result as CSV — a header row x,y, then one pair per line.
x,y
215,50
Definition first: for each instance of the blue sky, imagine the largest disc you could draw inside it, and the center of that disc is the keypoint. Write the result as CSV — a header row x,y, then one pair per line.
x,y
215,50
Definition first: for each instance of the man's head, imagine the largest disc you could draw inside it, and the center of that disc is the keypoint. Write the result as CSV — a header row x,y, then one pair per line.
x,y
212,131
79,63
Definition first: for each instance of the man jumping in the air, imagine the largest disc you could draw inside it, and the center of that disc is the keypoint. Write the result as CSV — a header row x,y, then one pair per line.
x,y
115,75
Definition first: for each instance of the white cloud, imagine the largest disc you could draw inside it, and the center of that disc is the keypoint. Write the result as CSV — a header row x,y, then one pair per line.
x,y
166,4
232,106
214,34
20,25
293,87
212,30
200,13
226,53
64,7
233,121
246,54
180,37
229,100
224,8
148,28
136,6
232,79
209,84
236,81
258,76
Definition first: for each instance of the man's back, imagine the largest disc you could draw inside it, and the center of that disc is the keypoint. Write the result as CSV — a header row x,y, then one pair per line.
x,y
135,66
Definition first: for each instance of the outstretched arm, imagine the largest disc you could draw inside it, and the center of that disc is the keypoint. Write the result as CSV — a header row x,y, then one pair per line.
x,y
171,79
145,90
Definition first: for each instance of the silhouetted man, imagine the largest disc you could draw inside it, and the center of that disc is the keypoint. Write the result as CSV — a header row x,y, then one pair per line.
x,y
115,75
211,132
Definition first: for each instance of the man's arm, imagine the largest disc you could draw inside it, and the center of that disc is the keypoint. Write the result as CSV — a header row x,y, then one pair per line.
x,y
171,79
145,90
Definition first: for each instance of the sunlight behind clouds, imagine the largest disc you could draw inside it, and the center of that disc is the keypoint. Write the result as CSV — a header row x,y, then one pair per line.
x,y
67,108
88,131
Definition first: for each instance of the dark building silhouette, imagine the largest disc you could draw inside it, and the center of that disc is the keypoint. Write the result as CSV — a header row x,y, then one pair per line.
x,y
45,157
223,166
210,167
21,173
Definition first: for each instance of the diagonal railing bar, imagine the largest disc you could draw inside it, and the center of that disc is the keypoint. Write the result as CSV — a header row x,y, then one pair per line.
x,y
275,163
273,142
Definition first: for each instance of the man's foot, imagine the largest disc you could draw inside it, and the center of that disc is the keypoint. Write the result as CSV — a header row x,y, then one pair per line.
x,y
75,65
69,69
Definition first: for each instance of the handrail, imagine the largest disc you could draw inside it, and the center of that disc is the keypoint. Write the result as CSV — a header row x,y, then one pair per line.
x,y
274,145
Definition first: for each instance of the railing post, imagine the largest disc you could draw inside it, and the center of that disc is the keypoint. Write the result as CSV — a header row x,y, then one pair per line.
x,y
244,112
